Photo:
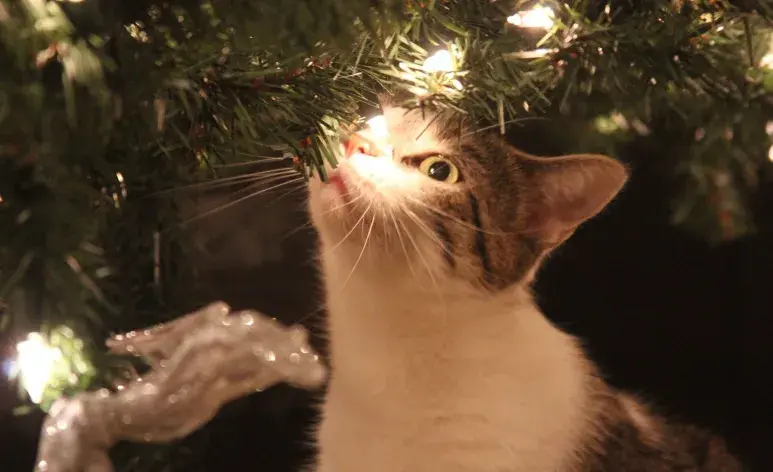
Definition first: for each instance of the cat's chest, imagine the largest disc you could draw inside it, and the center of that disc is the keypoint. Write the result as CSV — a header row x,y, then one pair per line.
x,y
486,405
420,431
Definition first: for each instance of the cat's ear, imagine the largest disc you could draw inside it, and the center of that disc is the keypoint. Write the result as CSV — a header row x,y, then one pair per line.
x,y
566,191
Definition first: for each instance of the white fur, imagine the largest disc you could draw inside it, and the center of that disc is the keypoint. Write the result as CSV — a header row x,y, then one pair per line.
x,y
468,385
430,374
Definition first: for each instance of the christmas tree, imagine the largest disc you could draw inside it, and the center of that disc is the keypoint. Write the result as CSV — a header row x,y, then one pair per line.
x,y
109,111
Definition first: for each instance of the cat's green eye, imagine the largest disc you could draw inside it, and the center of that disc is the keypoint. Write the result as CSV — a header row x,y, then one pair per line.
x,y
440,169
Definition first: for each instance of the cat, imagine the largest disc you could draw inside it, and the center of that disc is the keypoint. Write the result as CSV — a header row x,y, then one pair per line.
x,y
430,237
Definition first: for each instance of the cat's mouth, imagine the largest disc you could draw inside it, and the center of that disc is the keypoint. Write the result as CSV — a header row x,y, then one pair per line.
x,y
336,181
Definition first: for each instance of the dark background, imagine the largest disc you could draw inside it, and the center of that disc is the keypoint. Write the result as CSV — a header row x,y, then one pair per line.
x,y
665,314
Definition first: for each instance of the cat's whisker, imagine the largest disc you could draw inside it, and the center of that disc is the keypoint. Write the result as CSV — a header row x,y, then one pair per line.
x,y
354,227
454,218
309,224
402,244
362,252
340,207
227,181
421,256
263,181
294,189
422,226
259,160
239,200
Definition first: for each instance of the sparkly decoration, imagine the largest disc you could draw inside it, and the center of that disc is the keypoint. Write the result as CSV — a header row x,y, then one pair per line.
x,y
198,363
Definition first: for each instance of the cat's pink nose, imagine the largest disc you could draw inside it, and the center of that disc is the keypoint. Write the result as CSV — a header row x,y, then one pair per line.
x,y
358,144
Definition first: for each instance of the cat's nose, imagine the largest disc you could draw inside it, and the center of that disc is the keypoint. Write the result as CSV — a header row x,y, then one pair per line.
x,y
359,144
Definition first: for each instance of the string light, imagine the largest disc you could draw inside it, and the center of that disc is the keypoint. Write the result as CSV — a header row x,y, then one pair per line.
x,y
441,61
47,365
438,74
533,54
538,17
769,131
34,363
767,60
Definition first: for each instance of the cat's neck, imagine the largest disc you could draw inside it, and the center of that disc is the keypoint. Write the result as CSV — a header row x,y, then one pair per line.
x,y
389,328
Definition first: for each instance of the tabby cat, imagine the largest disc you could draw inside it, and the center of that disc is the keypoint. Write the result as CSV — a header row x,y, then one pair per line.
x,y
441,360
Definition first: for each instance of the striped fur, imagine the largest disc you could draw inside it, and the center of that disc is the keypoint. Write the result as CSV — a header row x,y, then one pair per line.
x,y
441,360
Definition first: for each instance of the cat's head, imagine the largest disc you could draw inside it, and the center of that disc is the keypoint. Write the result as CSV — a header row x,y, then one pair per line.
x,y
420,195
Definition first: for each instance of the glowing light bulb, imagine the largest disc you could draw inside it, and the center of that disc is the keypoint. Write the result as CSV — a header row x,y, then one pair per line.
x,y
767,61
441,61
35,362
539,17
770,154
378,126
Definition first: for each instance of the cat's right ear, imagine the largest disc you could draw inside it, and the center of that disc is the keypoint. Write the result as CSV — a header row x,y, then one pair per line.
x,y
563,192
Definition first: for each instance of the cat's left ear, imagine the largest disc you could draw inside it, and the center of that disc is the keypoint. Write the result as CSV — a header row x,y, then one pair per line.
x,y
566,191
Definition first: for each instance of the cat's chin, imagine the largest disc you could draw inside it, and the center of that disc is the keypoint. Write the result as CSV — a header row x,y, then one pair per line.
x,y
334,211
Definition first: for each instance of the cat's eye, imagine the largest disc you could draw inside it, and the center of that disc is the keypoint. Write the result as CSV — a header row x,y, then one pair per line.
x,y
440,169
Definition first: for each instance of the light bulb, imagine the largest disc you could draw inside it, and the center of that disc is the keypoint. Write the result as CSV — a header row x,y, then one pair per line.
x,y
770,154
441,61
378,126
539,17
767,61
35,362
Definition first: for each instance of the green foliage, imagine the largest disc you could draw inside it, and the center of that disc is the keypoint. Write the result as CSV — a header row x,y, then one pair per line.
x,y
106,105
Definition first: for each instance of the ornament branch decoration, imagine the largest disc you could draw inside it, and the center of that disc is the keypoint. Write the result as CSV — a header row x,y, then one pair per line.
x,y
198,363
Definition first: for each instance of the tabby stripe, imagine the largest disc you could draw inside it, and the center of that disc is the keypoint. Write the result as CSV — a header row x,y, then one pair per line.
x,y
528,252
480,239
448,244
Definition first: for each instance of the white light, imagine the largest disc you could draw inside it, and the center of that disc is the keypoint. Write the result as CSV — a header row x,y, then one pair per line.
x,y
539,17
770,154
534,54
35,361
769,128
378,126
767,61
441,61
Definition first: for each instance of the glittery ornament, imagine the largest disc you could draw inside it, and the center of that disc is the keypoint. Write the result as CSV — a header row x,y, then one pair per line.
x,y
198,363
